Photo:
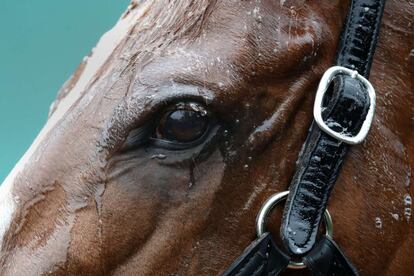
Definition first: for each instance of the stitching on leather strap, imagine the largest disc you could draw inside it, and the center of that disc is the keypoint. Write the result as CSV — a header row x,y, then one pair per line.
x,y
252,257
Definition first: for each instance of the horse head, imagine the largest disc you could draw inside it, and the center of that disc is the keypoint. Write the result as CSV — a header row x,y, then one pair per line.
x,y
161,148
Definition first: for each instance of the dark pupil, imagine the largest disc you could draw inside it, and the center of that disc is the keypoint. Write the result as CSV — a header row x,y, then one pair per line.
x,y
183,125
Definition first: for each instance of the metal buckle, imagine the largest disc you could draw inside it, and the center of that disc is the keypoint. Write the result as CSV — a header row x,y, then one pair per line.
x,y
269,205
317,109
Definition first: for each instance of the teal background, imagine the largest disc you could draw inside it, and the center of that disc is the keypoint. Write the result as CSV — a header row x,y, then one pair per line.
x,y
41,44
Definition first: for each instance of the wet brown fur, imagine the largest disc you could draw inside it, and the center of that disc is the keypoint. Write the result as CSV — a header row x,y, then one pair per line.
x,y
87,207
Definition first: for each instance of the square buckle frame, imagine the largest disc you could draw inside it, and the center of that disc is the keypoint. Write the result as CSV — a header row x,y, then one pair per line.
x,y
327,78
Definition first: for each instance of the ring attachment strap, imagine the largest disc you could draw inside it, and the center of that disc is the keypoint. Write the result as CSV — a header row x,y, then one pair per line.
x,y
327,259
263,257
268,207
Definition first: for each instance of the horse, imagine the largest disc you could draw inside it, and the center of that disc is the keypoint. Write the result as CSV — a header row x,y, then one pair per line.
x,y
161,148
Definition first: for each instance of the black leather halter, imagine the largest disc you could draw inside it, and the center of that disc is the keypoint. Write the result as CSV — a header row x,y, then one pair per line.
x,y
343,115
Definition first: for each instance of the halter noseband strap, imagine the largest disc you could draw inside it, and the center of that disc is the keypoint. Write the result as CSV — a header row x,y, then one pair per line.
x,y
343,116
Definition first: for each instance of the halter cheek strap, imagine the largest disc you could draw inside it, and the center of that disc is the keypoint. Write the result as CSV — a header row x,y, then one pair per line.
x,y
345,120
343,116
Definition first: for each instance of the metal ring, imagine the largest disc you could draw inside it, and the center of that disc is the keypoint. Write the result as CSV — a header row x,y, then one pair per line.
x,y
269,205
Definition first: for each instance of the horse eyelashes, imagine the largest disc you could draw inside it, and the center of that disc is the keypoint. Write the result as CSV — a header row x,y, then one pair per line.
x,y
138,137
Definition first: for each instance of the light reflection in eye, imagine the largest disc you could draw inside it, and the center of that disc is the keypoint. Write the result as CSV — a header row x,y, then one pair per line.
x,y
184,123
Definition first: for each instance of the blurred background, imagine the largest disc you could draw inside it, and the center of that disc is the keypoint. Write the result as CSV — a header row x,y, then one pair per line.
x,y
41,44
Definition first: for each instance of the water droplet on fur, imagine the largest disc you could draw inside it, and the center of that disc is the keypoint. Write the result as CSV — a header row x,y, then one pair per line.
x,y
159,156
407,199
407,213
378,223
395,216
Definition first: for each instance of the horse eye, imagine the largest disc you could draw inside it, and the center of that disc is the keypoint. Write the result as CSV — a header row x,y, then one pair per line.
x,y
184,123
